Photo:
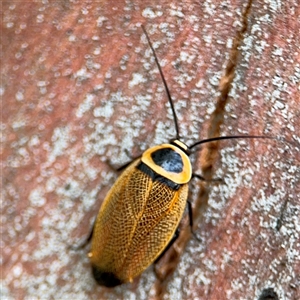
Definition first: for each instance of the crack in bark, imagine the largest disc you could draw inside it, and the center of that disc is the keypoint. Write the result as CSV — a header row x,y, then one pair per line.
x,y
217,118
211,149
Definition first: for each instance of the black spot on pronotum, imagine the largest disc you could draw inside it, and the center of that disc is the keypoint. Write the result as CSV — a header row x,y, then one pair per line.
x,y
168,159
268,294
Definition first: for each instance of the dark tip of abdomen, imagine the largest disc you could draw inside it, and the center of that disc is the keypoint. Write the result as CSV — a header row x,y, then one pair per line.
x,y
107,279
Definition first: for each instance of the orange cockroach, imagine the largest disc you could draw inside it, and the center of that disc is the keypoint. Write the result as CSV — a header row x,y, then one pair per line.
x,y
142,210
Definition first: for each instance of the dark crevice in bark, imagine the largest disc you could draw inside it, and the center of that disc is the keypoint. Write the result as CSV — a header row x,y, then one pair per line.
x,y
217,117
212,148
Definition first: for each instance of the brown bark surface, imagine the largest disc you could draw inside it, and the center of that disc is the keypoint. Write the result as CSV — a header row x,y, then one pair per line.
x,y
81,92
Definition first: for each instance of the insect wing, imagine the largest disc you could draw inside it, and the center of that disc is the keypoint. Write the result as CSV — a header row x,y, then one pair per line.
x,y
136,222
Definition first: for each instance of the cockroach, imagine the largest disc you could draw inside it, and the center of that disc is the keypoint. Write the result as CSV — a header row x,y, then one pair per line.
x,y
142,210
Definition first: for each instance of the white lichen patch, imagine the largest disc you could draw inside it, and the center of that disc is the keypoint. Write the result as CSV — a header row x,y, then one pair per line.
x,y
37,197
60,141
136,80
275,5
86,105
149,13
101,20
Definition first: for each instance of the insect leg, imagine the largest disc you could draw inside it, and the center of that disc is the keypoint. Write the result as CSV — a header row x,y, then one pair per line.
x,y
198,176
204,179
190,211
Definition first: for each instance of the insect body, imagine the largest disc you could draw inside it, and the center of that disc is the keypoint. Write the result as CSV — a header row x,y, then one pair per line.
x,y
140,214
142,210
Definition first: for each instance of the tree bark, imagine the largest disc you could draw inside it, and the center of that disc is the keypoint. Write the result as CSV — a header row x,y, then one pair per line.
x,y
81,93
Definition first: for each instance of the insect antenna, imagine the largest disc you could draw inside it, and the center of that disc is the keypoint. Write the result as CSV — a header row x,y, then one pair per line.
x,y
165,85
236,137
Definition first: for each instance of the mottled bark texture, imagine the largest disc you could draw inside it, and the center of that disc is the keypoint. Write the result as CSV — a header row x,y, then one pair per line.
x,y
81,92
